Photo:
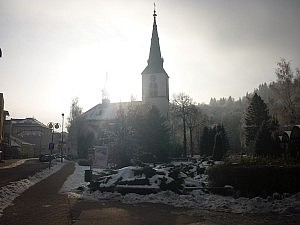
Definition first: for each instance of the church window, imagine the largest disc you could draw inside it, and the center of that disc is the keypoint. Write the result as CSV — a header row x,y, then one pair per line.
x,y
153,88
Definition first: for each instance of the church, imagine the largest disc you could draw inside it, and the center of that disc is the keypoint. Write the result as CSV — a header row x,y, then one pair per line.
x,y
155,86
155,92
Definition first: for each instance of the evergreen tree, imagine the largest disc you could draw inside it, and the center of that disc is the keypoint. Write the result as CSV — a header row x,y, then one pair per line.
x,y
209,147
122,148
256,114
205,142
263,141
218,149
153,136
225,140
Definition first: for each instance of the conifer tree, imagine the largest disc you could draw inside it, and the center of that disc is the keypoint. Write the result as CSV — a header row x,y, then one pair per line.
x,y
263,141
218,150
256,114
205,142
153,136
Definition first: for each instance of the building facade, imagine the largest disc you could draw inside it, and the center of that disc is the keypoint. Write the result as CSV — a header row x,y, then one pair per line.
x,y
34,132
1,123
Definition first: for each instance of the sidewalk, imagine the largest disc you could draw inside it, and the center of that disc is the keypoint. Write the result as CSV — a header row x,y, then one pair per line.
x,y
41,204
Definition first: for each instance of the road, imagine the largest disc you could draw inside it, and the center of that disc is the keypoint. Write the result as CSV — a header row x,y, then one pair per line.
x,y
28,168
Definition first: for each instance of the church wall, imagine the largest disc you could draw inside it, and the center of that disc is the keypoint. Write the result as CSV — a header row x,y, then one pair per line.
x,y
155,91
159,80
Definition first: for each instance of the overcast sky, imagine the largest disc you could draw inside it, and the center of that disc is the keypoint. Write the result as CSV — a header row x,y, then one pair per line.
x,y
56,50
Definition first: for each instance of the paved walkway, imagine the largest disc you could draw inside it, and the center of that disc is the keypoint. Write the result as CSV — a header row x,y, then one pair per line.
x,y
41,204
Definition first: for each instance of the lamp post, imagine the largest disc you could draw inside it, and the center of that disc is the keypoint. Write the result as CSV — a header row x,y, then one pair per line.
x,y
52,126
62,138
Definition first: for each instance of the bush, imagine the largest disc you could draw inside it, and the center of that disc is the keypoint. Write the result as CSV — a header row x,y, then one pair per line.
x,y
256,180
84,162
176,185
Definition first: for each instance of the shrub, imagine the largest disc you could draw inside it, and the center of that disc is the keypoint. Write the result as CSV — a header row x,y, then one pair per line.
x,y
256,180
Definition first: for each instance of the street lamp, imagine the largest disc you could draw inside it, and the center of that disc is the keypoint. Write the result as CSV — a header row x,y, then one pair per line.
x,y
52,126
62,138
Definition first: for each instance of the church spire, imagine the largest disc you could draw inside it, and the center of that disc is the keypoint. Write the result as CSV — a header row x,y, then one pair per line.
x,y
155,61
155,80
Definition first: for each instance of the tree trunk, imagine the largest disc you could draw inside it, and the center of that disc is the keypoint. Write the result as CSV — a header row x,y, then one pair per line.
x,y
184,137
191,142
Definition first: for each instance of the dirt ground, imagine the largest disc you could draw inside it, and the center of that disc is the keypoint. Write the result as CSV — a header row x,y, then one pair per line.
x,y
116,213
43,205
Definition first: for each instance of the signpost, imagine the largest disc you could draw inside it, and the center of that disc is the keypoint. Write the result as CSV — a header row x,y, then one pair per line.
x,y
100,157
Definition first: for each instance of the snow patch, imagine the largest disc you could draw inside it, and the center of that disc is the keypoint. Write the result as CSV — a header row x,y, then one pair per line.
x,y
15,164
196,199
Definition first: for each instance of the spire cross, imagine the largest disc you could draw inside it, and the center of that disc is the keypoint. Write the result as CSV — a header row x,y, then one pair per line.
x,y
154,14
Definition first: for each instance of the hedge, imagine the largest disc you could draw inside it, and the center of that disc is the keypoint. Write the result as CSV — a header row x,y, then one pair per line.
x,y
256,180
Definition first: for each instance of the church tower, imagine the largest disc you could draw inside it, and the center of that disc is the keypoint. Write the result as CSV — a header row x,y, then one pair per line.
x,y
155,80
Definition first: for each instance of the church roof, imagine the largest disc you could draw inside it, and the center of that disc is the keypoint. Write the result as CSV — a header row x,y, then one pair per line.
x,y
108,111
155,61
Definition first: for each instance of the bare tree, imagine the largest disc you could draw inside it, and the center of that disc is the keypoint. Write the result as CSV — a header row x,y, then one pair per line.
x,y
286,90
194,119
181,104
73,125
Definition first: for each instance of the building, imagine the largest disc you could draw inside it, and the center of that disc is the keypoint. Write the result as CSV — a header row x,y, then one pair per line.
x,y
155,80
155,86
32,132
155,92
1,122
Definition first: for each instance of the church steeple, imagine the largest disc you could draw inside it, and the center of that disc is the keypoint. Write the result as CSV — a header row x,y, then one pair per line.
x,y
155,80
155,61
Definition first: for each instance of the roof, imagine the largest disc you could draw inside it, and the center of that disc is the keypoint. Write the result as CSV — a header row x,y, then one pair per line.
x,y
17,142
107,111
28,122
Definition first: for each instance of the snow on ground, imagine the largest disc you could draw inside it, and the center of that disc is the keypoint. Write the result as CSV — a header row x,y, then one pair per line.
x,y
11,191
200,200
75,181
196,199
15,164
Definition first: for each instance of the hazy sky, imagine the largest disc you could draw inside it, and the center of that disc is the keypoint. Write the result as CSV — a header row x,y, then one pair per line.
x,y
56,50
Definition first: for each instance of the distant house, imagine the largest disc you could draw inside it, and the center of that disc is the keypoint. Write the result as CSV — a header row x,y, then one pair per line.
x,y
1,116
32,131
21,149
290,141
